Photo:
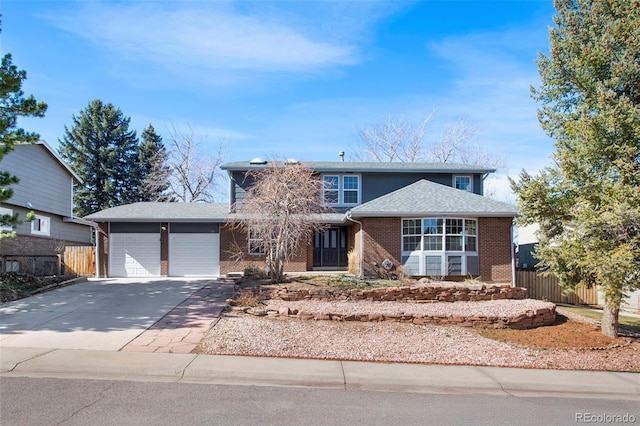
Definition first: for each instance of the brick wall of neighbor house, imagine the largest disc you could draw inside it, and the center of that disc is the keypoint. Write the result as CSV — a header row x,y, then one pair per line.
x,y
103,249
35,255
35,246
381,241
234,256
494,248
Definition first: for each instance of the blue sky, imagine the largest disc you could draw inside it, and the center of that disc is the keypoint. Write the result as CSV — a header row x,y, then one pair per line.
x,y
289,79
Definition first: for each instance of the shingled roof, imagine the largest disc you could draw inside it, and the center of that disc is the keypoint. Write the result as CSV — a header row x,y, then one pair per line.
x,y
174,212
428,198
366,167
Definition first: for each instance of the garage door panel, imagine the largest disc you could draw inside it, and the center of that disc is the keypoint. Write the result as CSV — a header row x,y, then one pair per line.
x,y
194,254
134,255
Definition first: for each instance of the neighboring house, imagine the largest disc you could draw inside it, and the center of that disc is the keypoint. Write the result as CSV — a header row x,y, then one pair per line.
x,y
526,241
427,219
45,188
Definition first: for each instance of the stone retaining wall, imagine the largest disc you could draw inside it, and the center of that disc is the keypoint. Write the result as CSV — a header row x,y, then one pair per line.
x,y
529,319
413,294
425,294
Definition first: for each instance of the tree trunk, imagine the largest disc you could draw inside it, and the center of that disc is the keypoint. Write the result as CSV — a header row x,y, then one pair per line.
x,y
609,324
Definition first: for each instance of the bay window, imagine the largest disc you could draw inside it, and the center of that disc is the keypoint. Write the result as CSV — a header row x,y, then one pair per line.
x,y
440,246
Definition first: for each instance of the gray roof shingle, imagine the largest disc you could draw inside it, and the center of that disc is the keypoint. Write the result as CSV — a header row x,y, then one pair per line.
x,y
361,167
429,198
420,198
175,212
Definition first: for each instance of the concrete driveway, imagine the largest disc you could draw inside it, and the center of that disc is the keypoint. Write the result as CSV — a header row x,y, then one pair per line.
x,y
103,314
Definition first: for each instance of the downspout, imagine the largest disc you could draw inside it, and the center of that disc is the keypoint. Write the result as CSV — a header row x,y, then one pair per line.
x,y
482,179
361,254
513,258
96,234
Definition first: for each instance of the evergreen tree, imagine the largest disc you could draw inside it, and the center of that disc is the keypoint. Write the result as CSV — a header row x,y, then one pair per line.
x,y
588,204
13,104
153,160
104,153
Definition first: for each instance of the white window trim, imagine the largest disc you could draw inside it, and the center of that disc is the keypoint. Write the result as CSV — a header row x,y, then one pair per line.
x,y
444,253
341,189
42,220
12,266
255,242
470,177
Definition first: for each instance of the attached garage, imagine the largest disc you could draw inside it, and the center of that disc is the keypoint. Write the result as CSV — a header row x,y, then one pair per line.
x,y
194,249
134,251
153,239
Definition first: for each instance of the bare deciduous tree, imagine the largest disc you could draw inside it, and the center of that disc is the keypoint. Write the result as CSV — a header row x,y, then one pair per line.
x,y
394,139
397,139
194,173
282,209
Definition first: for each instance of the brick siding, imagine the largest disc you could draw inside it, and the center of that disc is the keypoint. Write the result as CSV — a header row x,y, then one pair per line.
x,y
103,249
381,241
164,249
234,256
494,248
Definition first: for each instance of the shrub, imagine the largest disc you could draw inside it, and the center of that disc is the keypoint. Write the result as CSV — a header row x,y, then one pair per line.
x,y
253,271
353,258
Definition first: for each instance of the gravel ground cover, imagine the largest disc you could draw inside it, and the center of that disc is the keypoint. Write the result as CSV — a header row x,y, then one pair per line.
x,y
581,346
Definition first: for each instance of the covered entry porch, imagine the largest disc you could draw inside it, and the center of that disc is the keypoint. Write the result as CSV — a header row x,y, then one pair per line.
x,y
330,248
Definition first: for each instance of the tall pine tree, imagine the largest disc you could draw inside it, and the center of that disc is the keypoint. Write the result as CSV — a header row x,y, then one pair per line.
x,y
588,205
13,104
104,153
153,157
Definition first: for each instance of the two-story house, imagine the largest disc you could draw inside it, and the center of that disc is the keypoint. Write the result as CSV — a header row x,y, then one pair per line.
x,y
46,189
430,219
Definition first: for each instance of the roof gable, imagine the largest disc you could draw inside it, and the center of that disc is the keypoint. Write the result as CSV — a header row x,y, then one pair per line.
x,y
429,198
58,159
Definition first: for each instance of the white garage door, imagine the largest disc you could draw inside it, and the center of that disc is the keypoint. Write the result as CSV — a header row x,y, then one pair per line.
x,y
194,254
134,255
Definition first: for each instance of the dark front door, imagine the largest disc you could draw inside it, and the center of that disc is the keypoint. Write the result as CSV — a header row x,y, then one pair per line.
x,y
330,248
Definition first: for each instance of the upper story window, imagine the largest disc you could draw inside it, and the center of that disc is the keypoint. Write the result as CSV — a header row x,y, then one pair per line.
x,y
40,225
341,190
464,183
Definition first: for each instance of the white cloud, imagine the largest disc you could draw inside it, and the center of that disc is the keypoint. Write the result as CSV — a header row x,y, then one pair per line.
x,y
216,36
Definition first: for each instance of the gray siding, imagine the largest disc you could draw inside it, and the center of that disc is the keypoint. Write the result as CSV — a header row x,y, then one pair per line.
x,y
58,229
134,227
194,228
478,185
44,182
239,185
374,185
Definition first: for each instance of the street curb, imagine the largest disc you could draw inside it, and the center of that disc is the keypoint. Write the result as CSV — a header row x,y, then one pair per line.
x,y
346,375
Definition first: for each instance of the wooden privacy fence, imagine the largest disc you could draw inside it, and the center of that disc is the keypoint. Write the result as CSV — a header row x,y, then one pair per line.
x,y
80,260
547,287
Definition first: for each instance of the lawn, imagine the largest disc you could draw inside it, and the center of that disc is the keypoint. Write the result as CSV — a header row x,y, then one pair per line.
x,y
629,322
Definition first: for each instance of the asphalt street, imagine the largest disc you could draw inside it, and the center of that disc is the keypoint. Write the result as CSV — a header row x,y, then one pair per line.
x,y
48,401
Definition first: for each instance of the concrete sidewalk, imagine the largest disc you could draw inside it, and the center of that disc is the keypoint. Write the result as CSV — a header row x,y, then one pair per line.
x,y
238,370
